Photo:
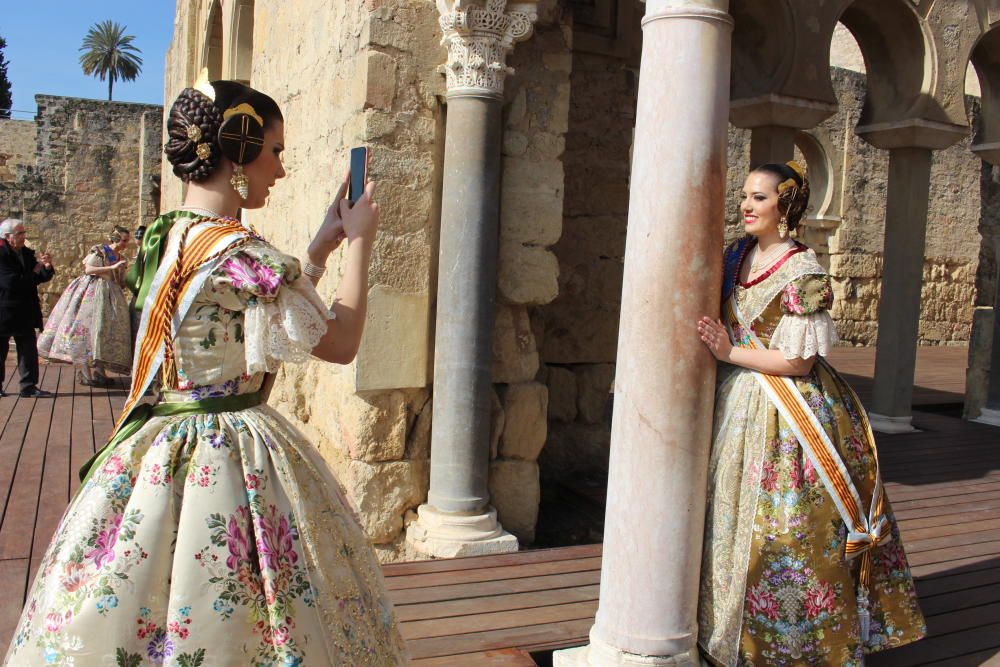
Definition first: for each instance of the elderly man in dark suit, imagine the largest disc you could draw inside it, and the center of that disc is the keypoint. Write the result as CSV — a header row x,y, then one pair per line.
x,y
21,272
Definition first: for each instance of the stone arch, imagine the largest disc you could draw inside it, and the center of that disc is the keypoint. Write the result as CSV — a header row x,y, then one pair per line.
x,y
899,58
763,37
822,178
238,61
212,49
985,58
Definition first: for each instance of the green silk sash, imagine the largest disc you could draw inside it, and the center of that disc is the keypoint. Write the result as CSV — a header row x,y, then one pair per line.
x,y
147,259
144,412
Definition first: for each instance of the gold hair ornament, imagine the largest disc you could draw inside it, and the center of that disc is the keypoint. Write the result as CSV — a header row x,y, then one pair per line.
x,y
203,85
203,151
194,133
787,183
797,168
243,108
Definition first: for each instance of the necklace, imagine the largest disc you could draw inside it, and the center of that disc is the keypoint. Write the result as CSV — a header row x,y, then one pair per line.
x,y
760,262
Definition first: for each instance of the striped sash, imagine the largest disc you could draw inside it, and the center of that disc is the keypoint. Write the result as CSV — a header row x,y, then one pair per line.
x,y
171,293
865,530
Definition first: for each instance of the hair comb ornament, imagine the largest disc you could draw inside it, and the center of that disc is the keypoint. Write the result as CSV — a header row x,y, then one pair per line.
x,y
797,168
241,138
203,85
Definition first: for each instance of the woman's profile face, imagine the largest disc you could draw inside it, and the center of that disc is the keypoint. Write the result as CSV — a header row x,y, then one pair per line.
x,y
267,168
759,204
123,243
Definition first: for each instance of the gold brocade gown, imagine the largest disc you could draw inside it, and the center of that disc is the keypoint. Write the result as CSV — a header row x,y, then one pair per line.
x,y
776,589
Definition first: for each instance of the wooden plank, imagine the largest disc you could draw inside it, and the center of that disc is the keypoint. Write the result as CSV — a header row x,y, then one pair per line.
x,y
982,638
13,589
22,505
474,562
968,564
480,605
928,587
104,421
899,492
54,489
12,445
493,573
500,620
490,588
959,518
923,512
915,534
987,658
549,635
503,658
81,434
991,548
954,540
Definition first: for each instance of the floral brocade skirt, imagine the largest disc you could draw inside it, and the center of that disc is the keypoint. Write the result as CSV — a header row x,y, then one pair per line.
x,y
213,539
776,589
89,326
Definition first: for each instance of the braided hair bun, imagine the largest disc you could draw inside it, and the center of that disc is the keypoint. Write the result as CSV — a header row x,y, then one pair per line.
x,y
192,128
793,190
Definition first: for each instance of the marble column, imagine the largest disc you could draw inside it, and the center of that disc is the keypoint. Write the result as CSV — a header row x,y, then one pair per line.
x,y
457,519
902,277
665,378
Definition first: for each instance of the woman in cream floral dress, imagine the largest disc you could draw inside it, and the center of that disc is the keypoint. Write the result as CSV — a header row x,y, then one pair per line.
x,y
802,563
89,326
209,531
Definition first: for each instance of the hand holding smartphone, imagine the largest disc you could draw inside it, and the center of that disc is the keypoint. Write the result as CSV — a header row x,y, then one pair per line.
x,y
359,174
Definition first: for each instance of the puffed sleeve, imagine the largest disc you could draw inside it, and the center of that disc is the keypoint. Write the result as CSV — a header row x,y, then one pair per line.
x,y
806,328
94,258
284,317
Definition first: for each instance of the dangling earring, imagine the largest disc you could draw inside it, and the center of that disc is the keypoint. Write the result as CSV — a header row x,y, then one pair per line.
x,y
783,228
240,182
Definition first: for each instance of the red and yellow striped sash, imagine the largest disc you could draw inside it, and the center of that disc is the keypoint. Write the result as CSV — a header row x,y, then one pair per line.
x,y
208,243
866,530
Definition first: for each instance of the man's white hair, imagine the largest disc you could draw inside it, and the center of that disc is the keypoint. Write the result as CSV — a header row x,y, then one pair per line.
x,y
8,225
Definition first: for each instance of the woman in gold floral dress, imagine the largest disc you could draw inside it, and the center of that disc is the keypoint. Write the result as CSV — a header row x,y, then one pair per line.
x,y
802,563
209,531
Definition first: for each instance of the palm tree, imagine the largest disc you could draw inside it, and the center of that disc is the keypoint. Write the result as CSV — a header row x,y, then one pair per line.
x,y
108,52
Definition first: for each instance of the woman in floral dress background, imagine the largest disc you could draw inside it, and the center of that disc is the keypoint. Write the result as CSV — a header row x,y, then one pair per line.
x,y
90,326
209,531
785,579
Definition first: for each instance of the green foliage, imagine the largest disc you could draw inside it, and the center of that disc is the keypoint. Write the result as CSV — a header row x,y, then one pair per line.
x,y
6,100
108,53
125,659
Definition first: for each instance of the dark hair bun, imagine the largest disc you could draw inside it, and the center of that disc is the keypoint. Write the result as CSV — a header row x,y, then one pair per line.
x,y
192,130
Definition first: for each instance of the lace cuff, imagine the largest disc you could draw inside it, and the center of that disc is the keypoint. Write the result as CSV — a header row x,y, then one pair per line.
x,y
804,336
285,328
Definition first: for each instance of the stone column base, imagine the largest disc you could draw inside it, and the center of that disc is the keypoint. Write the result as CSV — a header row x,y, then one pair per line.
x,y
989,416
437,534
601,654
886,424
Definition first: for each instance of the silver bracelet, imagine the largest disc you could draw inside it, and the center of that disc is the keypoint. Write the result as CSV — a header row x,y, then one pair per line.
x,y
313,271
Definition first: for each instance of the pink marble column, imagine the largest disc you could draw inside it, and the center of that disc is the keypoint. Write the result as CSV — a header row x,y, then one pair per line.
x,y
665,379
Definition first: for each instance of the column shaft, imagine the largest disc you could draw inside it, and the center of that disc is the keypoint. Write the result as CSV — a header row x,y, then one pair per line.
x,y
665,378
902,276
771,144
465,305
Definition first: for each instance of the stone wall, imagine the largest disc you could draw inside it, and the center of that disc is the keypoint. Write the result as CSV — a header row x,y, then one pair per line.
x,y
96,165
17,147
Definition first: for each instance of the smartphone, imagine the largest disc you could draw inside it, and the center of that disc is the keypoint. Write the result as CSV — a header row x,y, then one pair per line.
x,y
359,174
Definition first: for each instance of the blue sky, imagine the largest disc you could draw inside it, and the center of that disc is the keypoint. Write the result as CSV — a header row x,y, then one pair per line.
x,y
43,38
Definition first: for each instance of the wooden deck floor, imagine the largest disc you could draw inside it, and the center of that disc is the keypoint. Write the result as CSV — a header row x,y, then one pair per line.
x,y
944,483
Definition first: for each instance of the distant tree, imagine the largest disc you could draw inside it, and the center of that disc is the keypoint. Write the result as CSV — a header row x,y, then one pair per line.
x,y
108,53
6,101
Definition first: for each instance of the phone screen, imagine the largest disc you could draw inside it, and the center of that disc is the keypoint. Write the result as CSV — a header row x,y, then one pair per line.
x,y
359,173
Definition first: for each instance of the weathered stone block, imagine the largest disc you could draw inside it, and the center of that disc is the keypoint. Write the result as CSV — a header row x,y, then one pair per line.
x,y
515,493
562,394
383,492
381,80
393,351
374,429
594,384
515,355
527,275
526,409
531,204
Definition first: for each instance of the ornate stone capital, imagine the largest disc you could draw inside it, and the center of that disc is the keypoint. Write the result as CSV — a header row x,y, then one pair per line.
x,y
478,40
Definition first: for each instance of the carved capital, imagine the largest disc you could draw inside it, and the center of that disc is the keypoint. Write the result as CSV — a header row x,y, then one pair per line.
x,y
478,40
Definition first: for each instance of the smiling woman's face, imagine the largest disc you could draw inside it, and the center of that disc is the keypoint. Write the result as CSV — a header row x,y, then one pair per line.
x,y
760,203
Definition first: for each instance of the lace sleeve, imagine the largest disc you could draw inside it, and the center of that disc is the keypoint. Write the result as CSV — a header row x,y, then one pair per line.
x,y
285,328
804,336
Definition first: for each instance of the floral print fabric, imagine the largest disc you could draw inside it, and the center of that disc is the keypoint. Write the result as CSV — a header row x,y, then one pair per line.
x,y
776,588
212,539
90,324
